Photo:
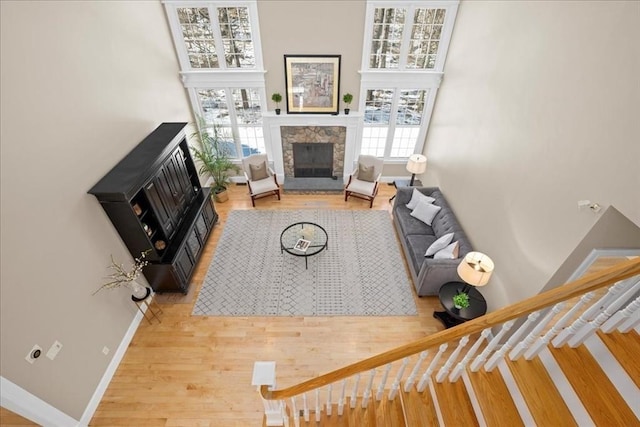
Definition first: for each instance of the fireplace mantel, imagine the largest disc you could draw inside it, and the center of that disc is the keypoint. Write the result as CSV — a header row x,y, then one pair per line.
x,y
273,137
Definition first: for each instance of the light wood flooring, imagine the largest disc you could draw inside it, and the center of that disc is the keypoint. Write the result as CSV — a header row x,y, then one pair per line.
x,y
196,371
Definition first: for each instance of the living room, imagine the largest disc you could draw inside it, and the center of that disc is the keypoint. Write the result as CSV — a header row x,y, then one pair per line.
x,y
527,122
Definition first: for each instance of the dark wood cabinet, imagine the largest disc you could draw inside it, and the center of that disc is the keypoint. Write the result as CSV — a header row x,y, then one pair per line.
x,y
154,199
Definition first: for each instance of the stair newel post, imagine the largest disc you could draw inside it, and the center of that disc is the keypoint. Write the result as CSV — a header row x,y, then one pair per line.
x,y
426,377
414,372
541,343
523,345
444,371
354,392
590,328
396,382
264,374
329,405
479,361
383,382
367,392
513,339
305,407
317,414
621,316
630,323
459,369
342,394
564,336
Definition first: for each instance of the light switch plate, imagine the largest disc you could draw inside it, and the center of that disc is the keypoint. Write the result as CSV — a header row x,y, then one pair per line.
x,y
54,350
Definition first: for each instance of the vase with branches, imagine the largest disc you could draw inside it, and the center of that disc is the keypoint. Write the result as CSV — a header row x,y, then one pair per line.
x,y
123,277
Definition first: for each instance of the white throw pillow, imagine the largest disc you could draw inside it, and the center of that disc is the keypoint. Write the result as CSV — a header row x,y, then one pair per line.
x,y
450,252
416,196
425,212
439,244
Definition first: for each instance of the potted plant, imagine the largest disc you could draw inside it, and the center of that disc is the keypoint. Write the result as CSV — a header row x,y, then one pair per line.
x,y
461,300
347,98
277,98
215,159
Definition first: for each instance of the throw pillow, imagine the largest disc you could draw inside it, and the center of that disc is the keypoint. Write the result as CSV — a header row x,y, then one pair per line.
x,y
416,196
439,244
450,252
365,173
259,171
425,212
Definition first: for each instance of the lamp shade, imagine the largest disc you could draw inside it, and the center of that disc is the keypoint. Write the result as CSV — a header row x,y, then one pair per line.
x,y
417,163
475,269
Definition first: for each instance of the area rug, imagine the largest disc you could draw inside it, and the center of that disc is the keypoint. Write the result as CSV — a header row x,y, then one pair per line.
x,y
360,274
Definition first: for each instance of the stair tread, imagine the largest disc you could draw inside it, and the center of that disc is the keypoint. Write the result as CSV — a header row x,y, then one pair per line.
x,y
492,393
419,408
333,420
598,395
389,413
540,393
359,416
459,414
625,348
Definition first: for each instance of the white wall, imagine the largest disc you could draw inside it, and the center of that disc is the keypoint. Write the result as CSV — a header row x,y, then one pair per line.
x,y
539,108
81,84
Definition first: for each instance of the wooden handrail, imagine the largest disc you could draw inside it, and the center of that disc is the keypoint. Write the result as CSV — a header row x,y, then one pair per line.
x,y
588,283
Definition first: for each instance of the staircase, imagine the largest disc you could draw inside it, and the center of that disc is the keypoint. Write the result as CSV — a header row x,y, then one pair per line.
x,y
567,357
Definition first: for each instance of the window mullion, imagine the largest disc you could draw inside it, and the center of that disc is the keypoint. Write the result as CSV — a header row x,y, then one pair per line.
x,y
406,37
217,36
393,114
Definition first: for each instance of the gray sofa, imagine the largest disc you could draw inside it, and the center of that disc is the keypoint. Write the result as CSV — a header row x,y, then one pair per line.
x,y
428,274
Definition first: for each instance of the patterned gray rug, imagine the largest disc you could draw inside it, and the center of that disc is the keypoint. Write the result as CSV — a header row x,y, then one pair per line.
x,y
360,274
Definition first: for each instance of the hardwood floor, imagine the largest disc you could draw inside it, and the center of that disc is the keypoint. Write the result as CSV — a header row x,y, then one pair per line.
x,y
196,371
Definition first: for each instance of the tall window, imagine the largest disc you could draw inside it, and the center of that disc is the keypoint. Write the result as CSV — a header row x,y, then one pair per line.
x,y
219,52
403,60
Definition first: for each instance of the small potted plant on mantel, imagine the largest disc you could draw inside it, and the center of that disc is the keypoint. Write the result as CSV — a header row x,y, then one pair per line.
x,y
277,98
461,300
347,98
215,159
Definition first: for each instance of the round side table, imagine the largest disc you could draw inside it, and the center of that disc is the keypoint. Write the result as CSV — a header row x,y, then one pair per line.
x,y
454,316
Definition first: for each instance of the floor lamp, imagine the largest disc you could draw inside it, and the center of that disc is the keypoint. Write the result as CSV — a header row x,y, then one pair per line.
x,y
417,164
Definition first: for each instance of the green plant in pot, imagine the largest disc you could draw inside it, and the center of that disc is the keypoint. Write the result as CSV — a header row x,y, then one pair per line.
x,y
461,300
277,98
347,98
214,157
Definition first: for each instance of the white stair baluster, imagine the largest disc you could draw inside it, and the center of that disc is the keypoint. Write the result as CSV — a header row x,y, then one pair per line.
x,y
619,318
630,323
367,392
541,343
341,400
317,405
383,382
523,345
513,339
305,407
296,414
354,391
329,404
588,315
426,377
590,328
444,371
396,382
479,361
457,371
414,372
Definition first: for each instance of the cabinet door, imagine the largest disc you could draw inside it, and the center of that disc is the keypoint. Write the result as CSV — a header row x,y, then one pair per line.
x,y
209,213
182,174
175,190
184,265
193,242
161,207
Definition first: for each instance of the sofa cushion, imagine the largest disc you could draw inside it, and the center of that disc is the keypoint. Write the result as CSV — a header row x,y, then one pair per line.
x,y
417,245
410,225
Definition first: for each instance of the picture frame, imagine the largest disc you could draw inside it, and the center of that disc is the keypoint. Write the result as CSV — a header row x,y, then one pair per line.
x,y
313,83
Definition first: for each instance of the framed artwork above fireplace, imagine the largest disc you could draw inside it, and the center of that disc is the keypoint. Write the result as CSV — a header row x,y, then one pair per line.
x,y
313,83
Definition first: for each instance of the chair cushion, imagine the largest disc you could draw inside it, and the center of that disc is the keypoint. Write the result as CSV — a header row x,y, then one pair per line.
x,y
361,187
425,212
365,173
262,186
258,171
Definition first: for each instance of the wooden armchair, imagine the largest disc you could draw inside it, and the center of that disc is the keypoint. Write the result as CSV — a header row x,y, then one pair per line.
x,y
261,179
363,181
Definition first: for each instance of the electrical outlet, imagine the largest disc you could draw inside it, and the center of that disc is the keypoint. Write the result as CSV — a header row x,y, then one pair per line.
x,y
33,354
105,350
54,350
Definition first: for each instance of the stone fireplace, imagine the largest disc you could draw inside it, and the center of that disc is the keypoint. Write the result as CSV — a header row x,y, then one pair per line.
x,y
327,136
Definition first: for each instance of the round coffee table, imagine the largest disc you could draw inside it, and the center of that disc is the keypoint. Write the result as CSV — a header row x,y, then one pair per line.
x,y
454,316
315,235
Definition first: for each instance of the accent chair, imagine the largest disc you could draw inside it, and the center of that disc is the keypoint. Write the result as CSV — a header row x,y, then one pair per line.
x,y
364,180
261,179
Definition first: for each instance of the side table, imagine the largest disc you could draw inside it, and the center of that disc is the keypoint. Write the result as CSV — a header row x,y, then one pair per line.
x,y
454,316
405,183
150,304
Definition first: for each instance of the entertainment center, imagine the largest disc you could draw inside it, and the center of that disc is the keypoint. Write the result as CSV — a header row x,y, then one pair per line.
x,y
155,201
